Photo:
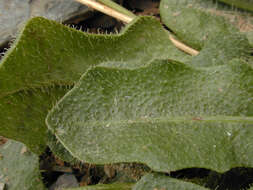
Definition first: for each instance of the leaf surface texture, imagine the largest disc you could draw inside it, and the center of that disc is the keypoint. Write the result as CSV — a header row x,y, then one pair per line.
x,y
167,115
48,58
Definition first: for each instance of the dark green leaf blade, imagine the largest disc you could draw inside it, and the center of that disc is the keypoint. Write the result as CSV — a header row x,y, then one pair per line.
x,y
47,59
23,118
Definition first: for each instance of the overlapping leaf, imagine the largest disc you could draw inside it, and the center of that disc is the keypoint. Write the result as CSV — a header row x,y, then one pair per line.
x,y
206,25
48,58
197,21
168,115
19,169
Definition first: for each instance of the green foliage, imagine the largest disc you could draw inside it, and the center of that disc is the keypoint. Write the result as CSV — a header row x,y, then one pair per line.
x,y
147,115
199,24
48,58
19,168
23,118
139,98
162,182
192,21
106,187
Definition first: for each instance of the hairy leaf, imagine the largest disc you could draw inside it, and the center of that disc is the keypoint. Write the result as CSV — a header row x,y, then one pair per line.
x,y
47,59
206,26
162,182
19,169
168,115
23,115
192,22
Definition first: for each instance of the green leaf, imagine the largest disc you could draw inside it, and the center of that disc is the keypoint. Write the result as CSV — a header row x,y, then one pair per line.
x,y
222,49
19,169
23,118
167,115
162,182
192,21
206,26
47,59
115,186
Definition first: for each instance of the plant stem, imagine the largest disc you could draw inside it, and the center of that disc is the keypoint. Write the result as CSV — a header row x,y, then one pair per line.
x,y
117,7
107,10
108,7
183,47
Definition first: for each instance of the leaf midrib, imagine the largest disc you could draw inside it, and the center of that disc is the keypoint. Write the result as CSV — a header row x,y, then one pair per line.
x,y
222,119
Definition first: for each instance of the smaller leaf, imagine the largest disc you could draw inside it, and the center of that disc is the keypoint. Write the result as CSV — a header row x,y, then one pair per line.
x,y
19,168
162,182
209,27
192,21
